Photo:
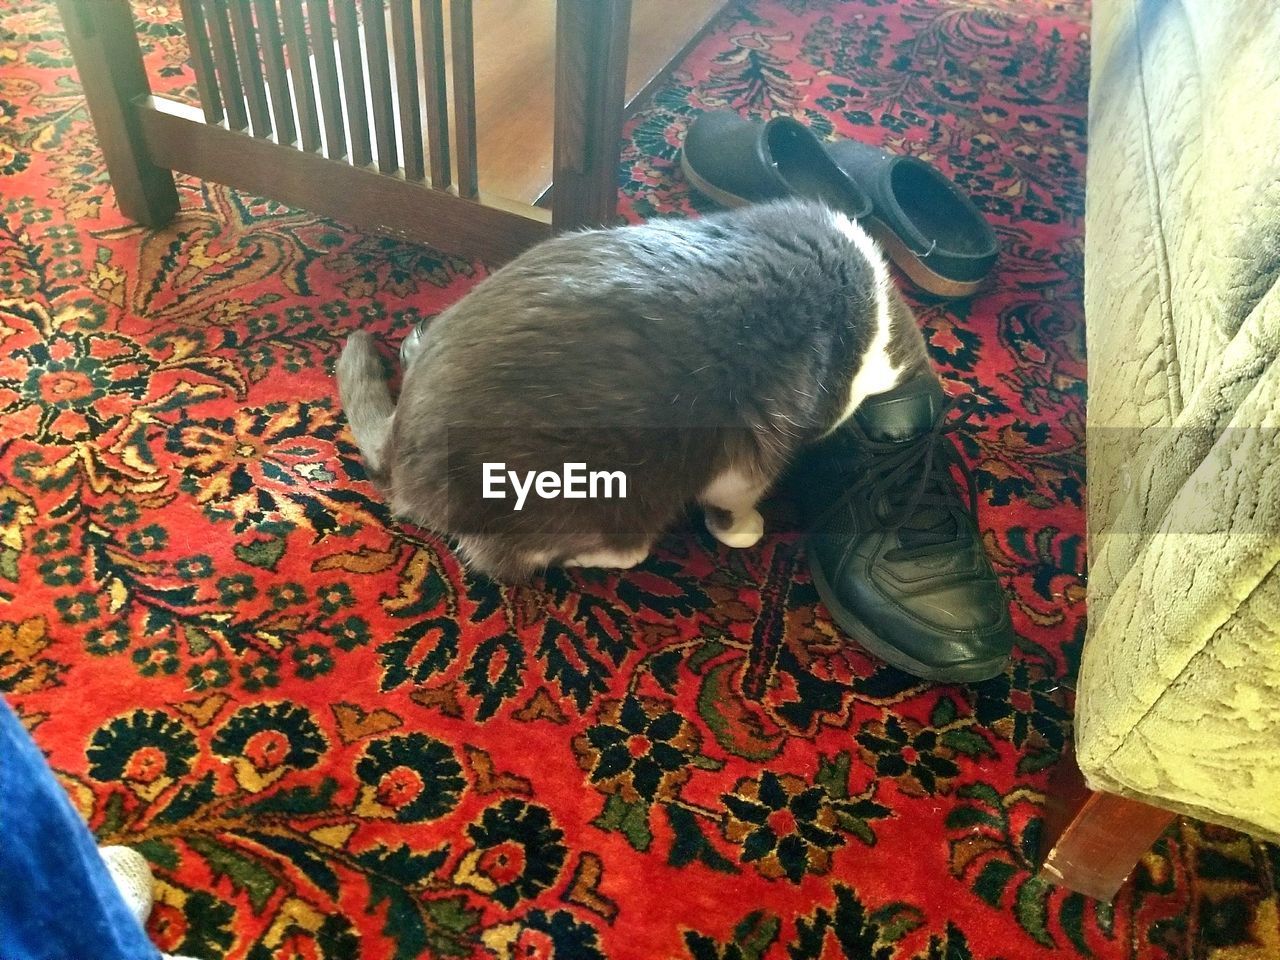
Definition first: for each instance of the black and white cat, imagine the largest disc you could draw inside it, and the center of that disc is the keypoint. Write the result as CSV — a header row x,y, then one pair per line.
x,y
696,357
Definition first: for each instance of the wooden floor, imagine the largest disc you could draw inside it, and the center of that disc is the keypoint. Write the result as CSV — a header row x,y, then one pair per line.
x,y
515,66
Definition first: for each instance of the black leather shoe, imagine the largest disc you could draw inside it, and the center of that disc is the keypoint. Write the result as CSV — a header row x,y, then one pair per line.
x,y
894,548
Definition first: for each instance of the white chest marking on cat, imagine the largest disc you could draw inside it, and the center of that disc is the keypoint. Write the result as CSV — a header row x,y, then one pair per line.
x,y
876,373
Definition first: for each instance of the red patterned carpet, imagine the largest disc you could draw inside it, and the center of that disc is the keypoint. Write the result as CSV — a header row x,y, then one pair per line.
x,y
331,742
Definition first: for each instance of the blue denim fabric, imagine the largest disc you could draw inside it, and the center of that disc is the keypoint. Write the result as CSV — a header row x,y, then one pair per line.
x,y
57,900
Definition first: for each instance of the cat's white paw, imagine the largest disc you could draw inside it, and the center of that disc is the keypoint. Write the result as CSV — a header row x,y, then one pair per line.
x,y
610,559
745,531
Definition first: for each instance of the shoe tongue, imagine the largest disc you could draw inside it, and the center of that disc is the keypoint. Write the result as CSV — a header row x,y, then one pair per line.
x,y
904,412
930,525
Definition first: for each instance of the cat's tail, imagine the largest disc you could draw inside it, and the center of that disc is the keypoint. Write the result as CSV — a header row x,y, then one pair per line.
x,y
366,400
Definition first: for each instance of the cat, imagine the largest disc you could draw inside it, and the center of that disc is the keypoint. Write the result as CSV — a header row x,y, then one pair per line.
x,y
695,357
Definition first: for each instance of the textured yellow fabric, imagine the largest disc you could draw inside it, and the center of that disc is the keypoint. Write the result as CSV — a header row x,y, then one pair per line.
x,y
1179,690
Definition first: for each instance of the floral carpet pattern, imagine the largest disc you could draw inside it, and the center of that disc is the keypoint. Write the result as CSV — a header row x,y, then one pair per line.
x,y
331,742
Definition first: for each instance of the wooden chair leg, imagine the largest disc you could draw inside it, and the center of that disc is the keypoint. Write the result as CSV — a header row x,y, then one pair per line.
x,y
107,56
591,73
1092,840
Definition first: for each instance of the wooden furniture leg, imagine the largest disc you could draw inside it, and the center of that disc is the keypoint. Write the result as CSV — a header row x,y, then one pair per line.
x,y
1092,841
591,73
105,48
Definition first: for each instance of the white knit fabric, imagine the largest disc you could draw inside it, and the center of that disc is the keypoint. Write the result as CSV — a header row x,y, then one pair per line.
x,y
129,870
133,879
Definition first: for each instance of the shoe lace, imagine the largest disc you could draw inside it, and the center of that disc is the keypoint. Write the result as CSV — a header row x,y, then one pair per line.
x,y
915,477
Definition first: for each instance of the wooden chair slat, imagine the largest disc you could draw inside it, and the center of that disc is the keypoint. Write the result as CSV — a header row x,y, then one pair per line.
x,y
349,54
304,93
384,111
406,61
431,15
224,56
255,88
464,96
335,132
277,77
202,59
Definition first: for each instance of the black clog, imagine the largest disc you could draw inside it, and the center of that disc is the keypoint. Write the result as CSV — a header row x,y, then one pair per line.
x,y
924,222
735,162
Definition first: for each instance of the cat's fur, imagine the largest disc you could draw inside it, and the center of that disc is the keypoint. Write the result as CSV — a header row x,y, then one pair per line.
x,y
696,355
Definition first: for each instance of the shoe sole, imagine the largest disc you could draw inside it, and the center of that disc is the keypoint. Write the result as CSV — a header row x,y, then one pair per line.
x,y
722,197
897,251
914,267
862,634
